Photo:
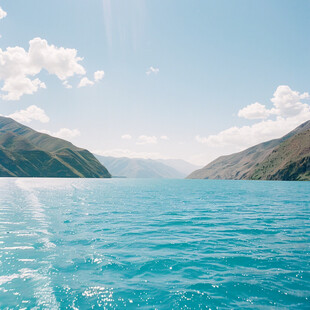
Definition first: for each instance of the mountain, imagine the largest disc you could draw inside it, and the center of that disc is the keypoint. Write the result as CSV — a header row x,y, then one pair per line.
x,y
288,161
243,165
143,168
25,152
179,164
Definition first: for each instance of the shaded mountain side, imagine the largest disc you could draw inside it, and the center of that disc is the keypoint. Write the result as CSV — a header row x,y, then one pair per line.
x,y
239,165
35,163
25,152
40,140
235,166
288,161
139,168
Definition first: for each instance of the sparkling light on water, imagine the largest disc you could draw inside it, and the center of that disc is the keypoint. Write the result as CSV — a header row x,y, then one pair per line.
x,y
154,244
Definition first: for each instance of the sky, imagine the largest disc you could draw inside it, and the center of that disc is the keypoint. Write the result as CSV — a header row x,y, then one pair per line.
x,y
157,79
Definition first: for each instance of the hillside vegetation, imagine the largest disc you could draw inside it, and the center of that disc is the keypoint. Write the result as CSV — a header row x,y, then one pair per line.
x,y
279,159
25,152
289,161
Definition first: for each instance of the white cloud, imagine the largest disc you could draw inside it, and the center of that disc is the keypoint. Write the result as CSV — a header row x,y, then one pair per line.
x,y
246,136
85,82
143,139
63,133
287,102
129,154
289,111
63,62
98,75
254,111
66,84
2,13
31,113
17,66
152,70
126,137
200,139
19,86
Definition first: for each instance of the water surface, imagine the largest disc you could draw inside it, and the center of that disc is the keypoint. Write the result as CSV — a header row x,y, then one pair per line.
x,y
154,244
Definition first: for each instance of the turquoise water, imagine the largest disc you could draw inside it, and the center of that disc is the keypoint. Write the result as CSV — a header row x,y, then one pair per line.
x,y
154,244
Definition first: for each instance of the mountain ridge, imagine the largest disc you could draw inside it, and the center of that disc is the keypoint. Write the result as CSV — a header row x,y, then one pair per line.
x,y
288,161
25,152
240,165
145,168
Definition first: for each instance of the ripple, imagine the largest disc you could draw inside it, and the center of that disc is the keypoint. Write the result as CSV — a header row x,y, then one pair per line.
x,y
155,244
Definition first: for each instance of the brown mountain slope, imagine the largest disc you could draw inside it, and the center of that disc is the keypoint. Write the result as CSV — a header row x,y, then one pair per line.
x,y
289,161
240,165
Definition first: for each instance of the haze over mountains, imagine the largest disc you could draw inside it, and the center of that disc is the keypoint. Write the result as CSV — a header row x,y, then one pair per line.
x,y
146,168
25,152
287,158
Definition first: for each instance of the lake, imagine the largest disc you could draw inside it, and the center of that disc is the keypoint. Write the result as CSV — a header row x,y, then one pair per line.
x,y
154,244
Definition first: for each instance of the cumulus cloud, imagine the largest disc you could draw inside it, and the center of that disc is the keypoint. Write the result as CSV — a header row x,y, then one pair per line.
x,y
152,70
2,13
254,111
246,136
286,103
286,113
19,86
63,133
85,82
18,66
164,138
98,75
126,137
31,113
143,139
63,62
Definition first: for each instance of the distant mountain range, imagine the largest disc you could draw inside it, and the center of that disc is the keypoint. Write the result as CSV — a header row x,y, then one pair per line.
x,y
146,168
287,158
25,152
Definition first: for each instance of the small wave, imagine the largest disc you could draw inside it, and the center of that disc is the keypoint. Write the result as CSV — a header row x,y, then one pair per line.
x,y
6,279
18,248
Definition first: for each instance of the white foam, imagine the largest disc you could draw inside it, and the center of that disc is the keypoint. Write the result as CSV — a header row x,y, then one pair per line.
x,y
18,248
6,279
44,292
47,183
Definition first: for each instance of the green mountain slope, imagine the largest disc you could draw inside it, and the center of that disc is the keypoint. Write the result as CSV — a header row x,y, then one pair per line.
x,y
240,165
288,161
140,168
25,152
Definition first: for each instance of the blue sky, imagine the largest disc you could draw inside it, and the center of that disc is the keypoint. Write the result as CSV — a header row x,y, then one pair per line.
x,y
209,59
